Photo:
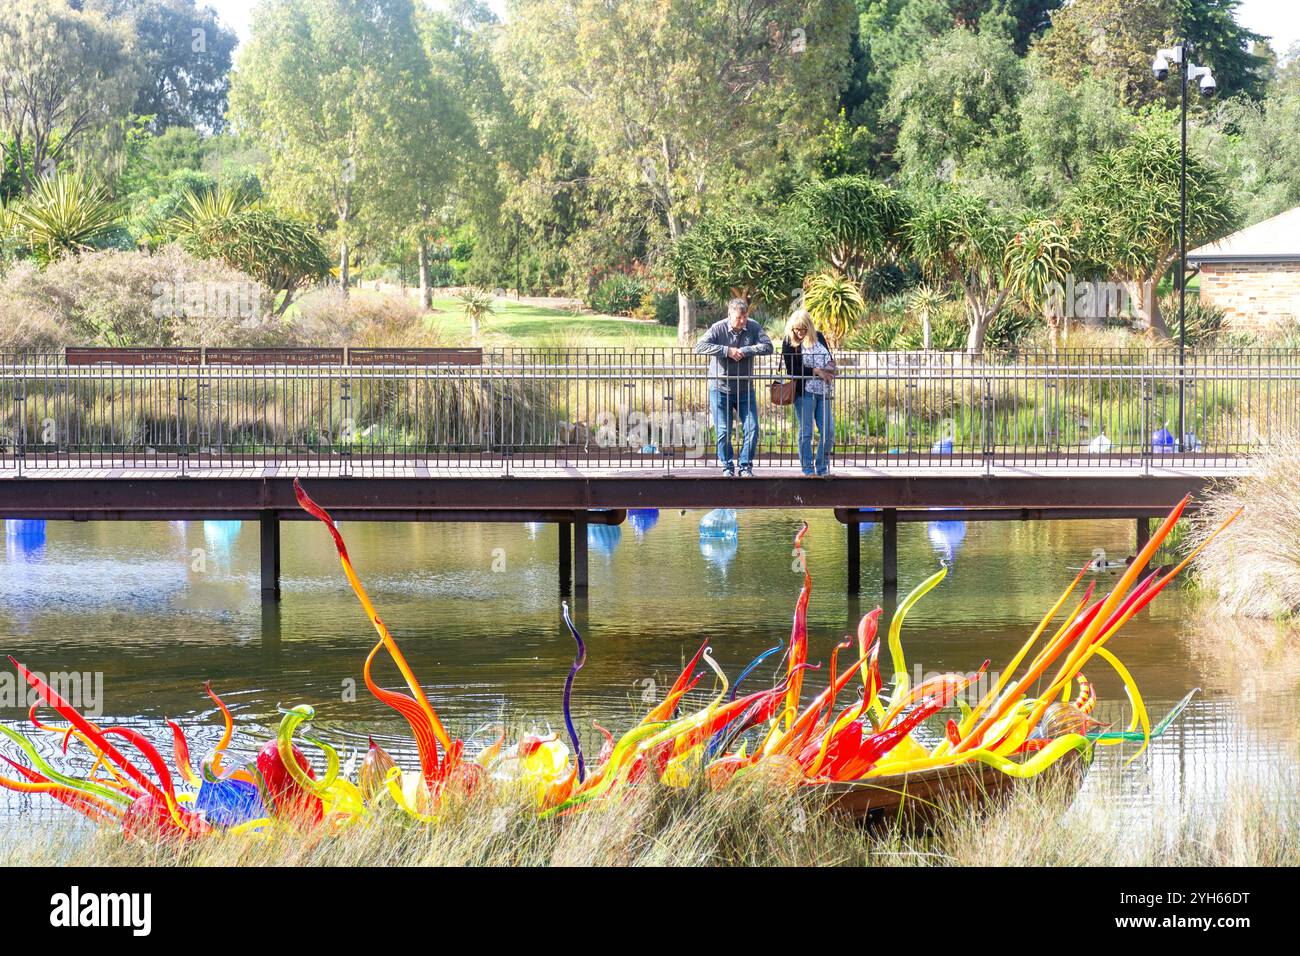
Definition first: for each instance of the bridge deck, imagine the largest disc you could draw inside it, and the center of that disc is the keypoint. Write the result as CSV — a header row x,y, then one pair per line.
x,y
416,492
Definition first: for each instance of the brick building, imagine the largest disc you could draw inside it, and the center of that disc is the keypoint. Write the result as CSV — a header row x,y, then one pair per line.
x,y
1254,275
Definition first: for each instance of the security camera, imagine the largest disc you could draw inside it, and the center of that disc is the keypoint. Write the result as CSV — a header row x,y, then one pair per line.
x,y
1160,67
1208,86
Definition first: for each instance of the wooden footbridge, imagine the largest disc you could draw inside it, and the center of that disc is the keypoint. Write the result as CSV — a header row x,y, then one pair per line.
x,y
578,437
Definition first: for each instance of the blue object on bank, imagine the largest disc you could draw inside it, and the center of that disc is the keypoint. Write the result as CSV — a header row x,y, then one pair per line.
x,y
228,803
942,447
1162,441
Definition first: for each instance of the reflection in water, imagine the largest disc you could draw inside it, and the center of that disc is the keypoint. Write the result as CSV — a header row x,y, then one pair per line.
x,y
128,600
220,537
946,537
603,538
24,539
719,552
642,520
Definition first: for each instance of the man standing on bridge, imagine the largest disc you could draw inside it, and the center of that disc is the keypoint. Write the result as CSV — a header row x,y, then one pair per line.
x,y
733,342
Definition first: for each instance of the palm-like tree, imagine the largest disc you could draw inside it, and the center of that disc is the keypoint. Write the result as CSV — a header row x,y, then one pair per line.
x,y
63,214
835,302
1036,263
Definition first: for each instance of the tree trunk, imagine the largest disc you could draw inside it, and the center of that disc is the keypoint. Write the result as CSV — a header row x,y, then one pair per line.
x,y
426,293
343,268
1148,306
1054,328
979,325
685,317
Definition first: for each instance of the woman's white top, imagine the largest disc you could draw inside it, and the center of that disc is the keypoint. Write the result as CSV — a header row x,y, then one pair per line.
x,y
817,355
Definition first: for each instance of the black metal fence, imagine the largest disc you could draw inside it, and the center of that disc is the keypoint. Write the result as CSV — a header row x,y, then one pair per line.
x,y
510,410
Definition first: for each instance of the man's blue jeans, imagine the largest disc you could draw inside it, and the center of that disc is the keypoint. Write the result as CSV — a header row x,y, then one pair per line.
x,y
812,408
744,405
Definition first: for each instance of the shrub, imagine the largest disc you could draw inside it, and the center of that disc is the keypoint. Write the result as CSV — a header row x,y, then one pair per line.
x,y
1204,321
150,218
121,298
1253,567
619,293
660,306
326,318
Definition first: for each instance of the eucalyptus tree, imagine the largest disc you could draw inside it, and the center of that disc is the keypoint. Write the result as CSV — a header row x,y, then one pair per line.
x,y
856,224
67,76
429,131
1114,40
959,239
1125,211
185,52
955,105
676,98
323,86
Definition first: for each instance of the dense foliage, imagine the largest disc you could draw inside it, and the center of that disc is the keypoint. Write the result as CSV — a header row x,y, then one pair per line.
x,y
647,157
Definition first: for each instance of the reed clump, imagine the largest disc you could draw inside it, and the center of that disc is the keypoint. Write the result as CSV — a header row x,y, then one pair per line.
x,y
1252,569
755,825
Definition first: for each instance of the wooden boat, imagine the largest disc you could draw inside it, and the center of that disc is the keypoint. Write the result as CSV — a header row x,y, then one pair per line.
x,y
922,798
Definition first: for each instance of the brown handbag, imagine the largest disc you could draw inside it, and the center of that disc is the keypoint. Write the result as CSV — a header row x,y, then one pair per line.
x,y
782,393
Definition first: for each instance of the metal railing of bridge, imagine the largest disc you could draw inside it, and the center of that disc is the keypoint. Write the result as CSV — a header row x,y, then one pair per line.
x,y
510,410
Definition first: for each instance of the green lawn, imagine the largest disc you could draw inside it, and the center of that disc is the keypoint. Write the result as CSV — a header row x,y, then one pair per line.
x,y
525,324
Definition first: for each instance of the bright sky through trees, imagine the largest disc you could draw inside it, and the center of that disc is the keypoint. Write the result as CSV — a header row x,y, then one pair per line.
x,y
1276,19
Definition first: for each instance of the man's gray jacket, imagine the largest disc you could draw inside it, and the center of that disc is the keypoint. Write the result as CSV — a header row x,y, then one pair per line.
x,y
726,374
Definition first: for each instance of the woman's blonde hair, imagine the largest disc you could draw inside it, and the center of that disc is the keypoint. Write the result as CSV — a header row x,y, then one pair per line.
x,y
800,317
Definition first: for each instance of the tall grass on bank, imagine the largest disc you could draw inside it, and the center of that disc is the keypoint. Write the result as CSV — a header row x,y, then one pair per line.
x,y
755,825
1253,567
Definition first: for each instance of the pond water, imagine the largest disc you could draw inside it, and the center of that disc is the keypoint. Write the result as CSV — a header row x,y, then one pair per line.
x,y
158,608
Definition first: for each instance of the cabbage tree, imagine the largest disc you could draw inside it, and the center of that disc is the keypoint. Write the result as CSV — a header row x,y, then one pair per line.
x,y
959,239
741,255
1126,212
855,223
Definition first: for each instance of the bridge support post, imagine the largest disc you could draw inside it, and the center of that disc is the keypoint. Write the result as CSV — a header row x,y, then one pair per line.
x,y
580,554
1143,536
566,558
889,564
270,536
853,557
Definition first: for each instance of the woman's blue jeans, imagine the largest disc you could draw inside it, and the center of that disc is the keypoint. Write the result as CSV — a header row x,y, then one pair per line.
x,y
811,408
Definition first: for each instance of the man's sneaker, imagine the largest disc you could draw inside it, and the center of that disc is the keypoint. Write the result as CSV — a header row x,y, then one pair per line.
x,y
747,473
728,473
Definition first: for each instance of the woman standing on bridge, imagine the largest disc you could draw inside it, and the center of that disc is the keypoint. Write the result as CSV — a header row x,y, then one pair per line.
x,y
808,360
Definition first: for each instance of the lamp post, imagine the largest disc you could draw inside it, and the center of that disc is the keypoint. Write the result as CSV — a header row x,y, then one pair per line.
x,y
1188,72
